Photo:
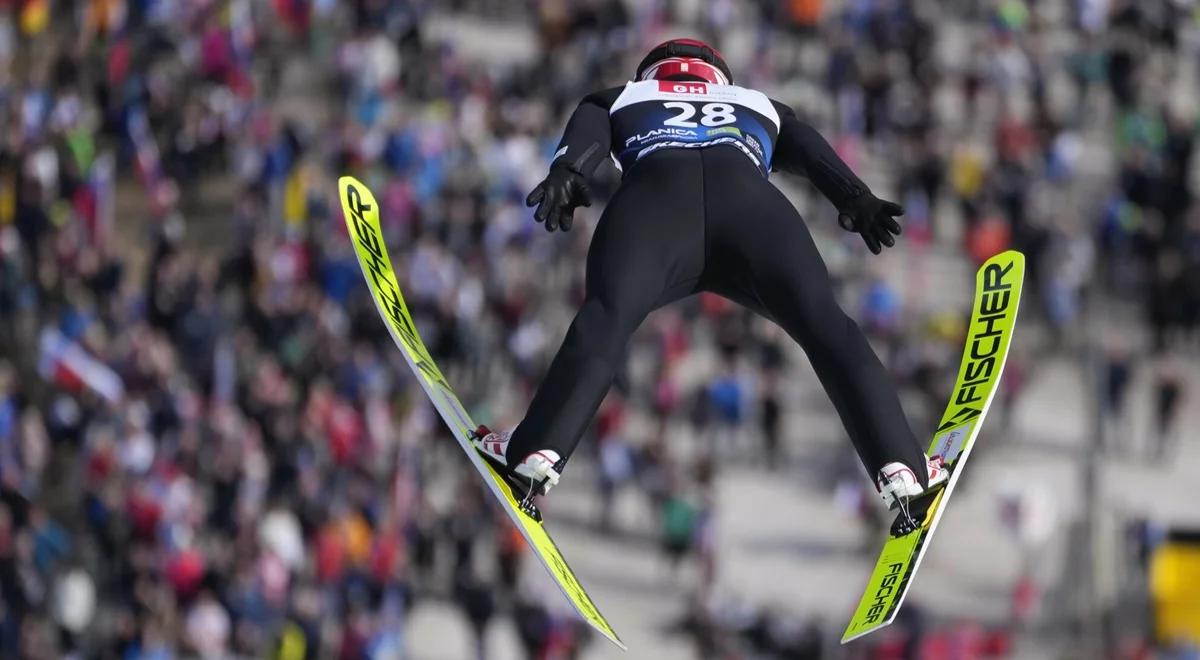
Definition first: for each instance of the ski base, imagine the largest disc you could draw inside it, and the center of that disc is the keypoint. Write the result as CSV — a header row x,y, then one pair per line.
x,y
994,313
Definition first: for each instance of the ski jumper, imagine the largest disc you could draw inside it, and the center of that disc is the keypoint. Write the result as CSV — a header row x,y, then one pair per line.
x,y
695,212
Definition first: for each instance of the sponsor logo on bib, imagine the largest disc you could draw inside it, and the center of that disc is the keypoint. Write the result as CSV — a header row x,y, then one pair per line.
x,y
661,133
677,87
725,130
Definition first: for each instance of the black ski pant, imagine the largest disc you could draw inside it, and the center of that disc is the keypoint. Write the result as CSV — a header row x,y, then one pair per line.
x,y
691,220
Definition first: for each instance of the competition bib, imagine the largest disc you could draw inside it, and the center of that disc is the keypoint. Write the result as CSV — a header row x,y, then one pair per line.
x,y
663,114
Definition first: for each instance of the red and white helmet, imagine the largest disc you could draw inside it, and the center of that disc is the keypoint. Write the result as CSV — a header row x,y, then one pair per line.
x,y
685,59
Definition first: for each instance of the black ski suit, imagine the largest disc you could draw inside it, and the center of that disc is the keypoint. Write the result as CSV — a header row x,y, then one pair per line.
x,y
695,212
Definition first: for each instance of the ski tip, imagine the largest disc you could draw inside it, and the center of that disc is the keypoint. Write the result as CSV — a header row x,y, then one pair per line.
x,y
1014,256
347,183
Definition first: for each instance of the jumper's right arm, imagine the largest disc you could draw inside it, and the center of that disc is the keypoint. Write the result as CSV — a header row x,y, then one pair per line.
x,y
802,150
585,144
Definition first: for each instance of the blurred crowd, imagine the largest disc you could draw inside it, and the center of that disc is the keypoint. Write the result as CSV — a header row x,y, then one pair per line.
x,y
208,444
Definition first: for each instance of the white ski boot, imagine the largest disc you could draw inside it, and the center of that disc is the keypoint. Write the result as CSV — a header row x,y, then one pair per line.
x,y
538,467
898,485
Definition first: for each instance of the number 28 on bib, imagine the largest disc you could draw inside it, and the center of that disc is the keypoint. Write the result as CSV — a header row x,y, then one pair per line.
x,y
658,114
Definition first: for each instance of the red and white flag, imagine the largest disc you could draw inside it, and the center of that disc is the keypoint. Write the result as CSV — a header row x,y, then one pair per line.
x,y
65,363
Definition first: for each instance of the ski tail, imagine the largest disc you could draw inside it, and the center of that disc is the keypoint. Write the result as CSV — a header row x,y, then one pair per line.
x,y
362,220
997,295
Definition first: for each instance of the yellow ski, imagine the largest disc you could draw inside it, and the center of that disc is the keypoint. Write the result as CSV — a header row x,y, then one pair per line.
x,y
362,219
997,294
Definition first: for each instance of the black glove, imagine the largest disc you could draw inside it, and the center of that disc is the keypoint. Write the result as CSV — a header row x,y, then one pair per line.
x,y
557,196
873,218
